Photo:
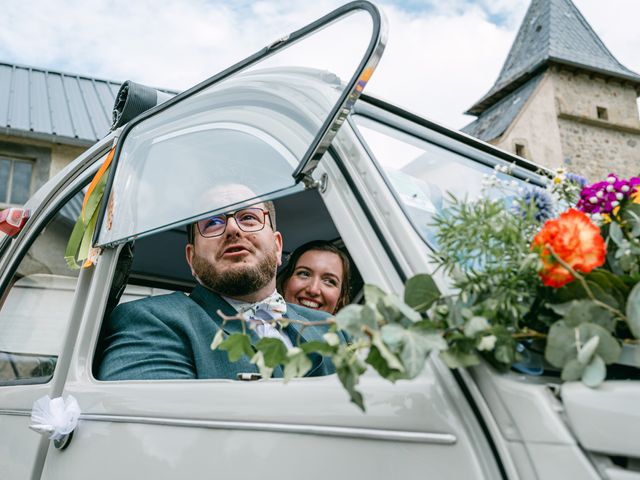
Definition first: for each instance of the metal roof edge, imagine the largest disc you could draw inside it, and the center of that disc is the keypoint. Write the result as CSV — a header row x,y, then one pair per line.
x,y
59,139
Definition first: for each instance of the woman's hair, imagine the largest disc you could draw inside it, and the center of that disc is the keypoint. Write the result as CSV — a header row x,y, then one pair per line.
x,y
321,246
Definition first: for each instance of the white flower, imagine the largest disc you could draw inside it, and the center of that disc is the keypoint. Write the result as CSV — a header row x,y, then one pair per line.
x,y
475,325
487,343
619,196
625,188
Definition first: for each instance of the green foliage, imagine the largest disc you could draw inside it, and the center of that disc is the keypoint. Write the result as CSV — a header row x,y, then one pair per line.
x,y
420,292
499,302
237,345
633,311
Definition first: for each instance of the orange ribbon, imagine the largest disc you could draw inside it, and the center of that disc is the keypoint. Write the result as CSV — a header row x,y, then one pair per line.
x,y
97,178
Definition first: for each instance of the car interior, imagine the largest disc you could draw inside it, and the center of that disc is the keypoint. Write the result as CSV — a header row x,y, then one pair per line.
x,y
157,262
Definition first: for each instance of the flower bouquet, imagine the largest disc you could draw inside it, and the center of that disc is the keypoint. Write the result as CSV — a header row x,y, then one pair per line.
x,y
543,280
549,279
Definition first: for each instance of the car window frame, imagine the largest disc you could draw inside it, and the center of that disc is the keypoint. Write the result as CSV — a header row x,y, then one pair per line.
x,y
332,123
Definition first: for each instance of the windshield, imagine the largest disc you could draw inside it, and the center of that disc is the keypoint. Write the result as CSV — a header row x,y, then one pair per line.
x,y
251,128
423,175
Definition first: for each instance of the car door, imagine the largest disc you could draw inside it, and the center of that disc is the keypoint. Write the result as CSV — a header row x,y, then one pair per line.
x,y
275,124
36,310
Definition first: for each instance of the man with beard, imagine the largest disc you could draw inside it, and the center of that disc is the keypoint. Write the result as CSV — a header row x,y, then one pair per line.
x,y
234,258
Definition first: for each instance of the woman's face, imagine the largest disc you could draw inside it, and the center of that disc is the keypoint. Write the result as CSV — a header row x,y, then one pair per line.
x,y
316,281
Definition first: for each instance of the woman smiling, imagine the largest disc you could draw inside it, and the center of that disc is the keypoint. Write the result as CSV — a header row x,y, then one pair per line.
x,y
317,277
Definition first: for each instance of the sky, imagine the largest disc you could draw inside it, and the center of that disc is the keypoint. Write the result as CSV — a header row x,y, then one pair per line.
x,y
441,56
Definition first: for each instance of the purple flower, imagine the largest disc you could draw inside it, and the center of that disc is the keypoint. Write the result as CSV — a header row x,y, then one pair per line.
x,y
605,196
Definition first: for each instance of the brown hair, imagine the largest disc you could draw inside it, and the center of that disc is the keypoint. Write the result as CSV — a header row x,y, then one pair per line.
x,y
192,227
322,246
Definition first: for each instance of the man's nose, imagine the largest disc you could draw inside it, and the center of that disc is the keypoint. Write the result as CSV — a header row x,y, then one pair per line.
x,y
232,227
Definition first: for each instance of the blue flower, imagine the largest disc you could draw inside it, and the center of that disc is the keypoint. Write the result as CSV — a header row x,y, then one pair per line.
x,y
577,179
542,202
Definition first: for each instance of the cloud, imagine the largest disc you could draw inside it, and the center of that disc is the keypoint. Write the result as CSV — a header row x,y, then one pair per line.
x,y
441,56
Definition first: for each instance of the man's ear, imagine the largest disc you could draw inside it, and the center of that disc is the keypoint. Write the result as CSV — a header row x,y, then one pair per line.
x,y
278,239
190,251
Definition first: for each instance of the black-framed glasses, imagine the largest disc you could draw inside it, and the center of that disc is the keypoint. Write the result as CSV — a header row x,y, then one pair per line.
x,y
247,219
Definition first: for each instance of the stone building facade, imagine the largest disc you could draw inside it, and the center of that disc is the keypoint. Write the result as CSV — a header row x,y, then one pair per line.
x,y
562,99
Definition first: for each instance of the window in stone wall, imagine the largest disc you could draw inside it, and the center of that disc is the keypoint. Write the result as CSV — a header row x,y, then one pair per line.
x,y
521,151
602,113
15,180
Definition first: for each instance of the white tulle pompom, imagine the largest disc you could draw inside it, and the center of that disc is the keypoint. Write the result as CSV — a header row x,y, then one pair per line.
x,y
56,416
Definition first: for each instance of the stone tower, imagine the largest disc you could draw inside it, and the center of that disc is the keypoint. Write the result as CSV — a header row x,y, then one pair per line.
x,y
562,99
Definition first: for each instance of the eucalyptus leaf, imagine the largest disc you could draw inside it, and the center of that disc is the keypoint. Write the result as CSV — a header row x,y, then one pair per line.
x,y
403,308
633,310
572,371
373,294
594,373
576,312
258,360
297,364
476,325
608,347
349,368
505,352
457,359
416,349
615,232
392,361
610,283
561,344
420,292
273,350
588,349
351,319
236,345
349,380
375,359
393,335
316,346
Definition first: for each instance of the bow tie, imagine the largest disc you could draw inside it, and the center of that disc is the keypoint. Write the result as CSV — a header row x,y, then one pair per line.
x,y
270,308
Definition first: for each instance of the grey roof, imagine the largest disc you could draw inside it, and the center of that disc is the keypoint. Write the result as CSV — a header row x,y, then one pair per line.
x,y
553,31
496,119
54,106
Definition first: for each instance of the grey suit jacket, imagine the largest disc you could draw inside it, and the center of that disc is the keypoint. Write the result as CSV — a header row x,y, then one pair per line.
x,y
169,337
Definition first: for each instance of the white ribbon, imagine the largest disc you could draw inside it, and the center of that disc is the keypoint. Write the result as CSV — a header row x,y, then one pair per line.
x,y
55,416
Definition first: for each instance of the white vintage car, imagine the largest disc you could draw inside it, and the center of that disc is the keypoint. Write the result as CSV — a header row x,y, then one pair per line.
x,y
289,122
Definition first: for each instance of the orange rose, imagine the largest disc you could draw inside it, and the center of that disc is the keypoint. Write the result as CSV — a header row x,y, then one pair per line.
x,y
575,240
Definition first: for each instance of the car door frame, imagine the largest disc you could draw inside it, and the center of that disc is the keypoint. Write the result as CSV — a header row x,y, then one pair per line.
x,y
17,400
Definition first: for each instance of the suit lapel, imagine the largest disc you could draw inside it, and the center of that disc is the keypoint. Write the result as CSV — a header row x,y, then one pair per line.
x,y
211,303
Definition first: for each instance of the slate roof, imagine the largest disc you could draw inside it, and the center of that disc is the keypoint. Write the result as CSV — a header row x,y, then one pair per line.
x,y
496,119
54,106
553,31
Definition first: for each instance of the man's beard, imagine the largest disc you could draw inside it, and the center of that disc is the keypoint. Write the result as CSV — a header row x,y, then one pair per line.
x,y
237,281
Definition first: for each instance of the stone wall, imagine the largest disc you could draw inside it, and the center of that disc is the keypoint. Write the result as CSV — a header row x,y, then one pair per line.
x,y
592,145
579,94
536,128
593,151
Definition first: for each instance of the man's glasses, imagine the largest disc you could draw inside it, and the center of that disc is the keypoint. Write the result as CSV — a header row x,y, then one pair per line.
x,y
248,220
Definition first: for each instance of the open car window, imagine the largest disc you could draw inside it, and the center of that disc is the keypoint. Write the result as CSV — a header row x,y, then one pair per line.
x,y
263,124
